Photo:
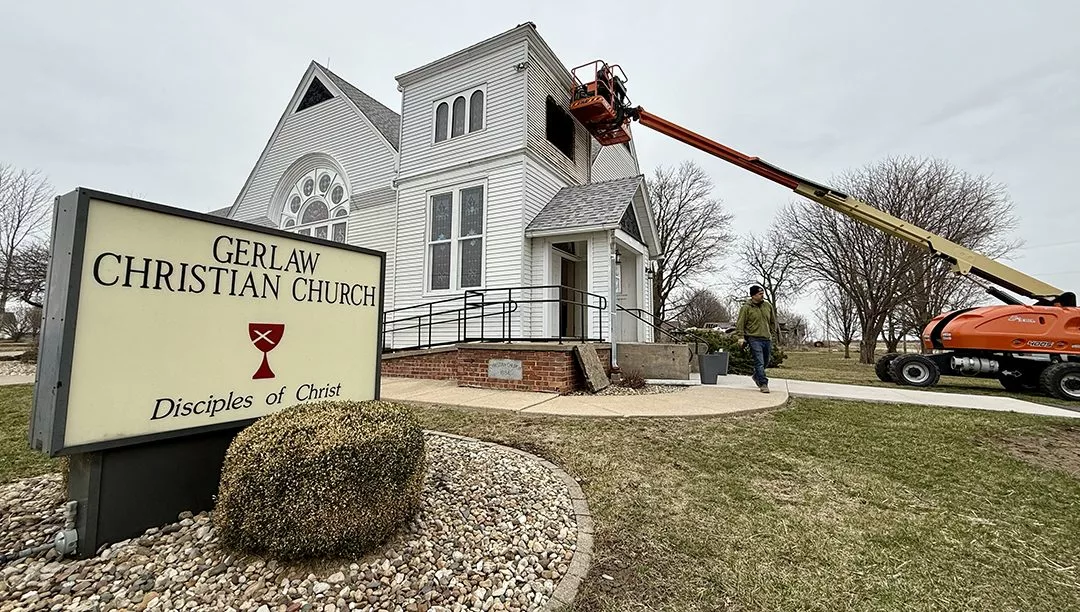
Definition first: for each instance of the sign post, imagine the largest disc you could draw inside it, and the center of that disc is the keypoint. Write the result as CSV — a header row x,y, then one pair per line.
x,y
165,332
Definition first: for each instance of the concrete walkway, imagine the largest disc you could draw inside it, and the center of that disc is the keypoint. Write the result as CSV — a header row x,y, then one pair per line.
x,y
699,400
17,380
892,395
731,394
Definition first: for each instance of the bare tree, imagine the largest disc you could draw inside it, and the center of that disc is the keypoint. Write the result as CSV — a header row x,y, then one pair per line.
x,y
694,233
770,261
703,306
881,274
24,321
29,273
894,331
838,312
25,207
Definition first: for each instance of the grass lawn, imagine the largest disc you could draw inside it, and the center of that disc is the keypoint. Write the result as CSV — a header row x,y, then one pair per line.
x,y
824,366
16,459
822,505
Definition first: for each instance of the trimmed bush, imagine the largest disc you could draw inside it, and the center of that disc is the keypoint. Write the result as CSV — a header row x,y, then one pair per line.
x,y
328,479
30,355
740,361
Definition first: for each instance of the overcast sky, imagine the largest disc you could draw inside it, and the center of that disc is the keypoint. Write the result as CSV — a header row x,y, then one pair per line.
x,y
174,103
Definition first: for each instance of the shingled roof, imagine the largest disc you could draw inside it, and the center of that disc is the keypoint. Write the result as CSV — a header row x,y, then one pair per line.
x,y
385,120
593,205
263,221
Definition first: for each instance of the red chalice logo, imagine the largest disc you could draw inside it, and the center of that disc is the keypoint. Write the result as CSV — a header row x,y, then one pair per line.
x,y
265,337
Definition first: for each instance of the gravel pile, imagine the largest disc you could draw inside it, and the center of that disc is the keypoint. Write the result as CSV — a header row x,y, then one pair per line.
x,y
17,368
496,532
646,390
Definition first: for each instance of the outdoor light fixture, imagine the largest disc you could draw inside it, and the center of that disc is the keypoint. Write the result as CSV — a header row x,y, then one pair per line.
x,y
618,257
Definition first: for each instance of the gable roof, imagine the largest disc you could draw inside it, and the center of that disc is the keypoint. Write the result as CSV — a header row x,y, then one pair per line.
x,y
385,120
592,205
598,206
263,221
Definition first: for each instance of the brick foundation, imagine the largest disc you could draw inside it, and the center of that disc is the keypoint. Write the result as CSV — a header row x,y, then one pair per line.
x,y
545,367
434,364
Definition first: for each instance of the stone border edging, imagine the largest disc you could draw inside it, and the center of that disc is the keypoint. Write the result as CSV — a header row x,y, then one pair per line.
x,y
567,588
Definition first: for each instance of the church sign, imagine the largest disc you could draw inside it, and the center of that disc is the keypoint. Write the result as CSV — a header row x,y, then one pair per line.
x,y
161,322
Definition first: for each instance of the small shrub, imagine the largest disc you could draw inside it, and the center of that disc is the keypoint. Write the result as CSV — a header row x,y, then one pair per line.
x,y
740,361
632,380
327,479
30,355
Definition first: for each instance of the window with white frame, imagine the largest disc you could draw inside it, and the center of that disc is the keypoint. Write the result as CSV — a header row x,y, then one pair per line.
x,y
455,249
318,205
460,114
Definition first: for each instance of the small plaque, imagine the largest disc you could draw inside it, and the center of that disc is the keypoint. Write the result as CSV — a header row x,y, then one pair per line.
x,y
504,369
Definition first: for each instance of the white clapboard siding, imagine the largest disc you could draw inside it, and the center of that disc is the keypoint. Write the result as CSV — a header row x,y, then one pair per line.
x,y
371,226
333,127
647,300
541,185
542,84
614,162
502,244
599,283
504,110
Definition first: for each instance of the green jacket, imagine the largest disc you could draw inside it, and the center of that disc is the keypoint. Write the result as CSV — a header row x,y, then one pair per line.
x,y
756,320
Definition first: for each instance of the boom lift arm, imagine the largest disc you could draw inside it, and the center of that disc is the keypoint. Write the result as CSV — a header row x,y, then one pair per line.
x,y
603,108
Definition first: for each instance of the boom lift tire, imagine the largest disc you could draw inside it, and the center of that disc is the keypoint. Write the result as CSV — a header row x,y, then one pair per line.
x,y
915,371
881,368
1062,380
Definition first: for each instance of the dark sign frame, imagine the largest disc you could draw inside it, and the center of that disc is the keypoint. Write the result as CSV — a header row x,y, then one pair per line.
x,y
61,306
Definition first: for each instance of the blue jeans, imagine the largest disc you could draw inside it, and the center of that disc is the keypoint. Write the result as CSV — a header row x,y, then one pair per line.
x,y
761,349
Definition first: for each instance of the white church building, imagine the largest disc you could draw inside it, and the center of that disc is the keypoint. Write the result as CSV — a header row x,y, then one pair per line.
x,y
501,217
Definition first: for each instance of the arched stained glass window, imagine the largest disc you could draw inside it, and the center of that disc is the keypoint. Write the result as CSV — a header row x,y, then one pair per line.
x,y
316,211
476,111
441,118
317,204
459,117
460,114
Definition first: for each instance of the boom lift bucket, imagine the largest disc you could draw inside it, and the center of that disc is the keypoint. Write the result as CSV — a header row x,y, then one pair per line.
x,y
600,104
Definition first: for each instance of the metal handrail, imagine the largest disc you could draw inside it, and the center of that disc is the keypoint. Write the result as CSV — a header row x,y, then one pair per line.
x,y
478,304
673,335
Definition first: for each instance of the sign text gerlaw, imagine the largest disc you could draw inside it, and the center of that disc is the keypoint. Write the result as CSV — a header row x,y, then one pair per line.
x,y
228,277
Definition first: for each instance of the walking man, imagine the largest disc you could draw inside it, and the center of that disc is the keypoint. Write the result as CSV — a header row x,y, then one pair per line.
x,y
754,327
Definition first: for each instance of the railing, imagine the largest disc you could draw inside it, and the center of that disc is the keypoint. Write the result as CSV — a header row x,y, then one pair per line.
x,y
447,321
679,336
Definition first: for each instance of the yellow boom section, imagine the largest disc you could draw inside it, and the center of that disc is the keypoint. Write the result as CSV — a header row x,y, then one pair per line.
x,y
964,260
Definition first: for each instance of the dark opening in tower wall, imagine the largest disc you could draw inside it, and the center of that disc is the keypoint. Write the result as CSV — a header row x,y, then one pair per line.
x,y
560,128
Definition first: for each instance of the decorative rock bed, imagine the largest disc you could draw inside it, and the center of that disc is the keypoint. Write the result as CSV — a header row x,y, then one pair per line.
x,y
499,530
17,368
646,390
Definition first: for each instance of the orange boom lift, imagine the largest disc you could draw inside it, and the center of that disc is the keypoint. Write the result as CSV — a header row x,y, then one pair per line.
x,y
1024,346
